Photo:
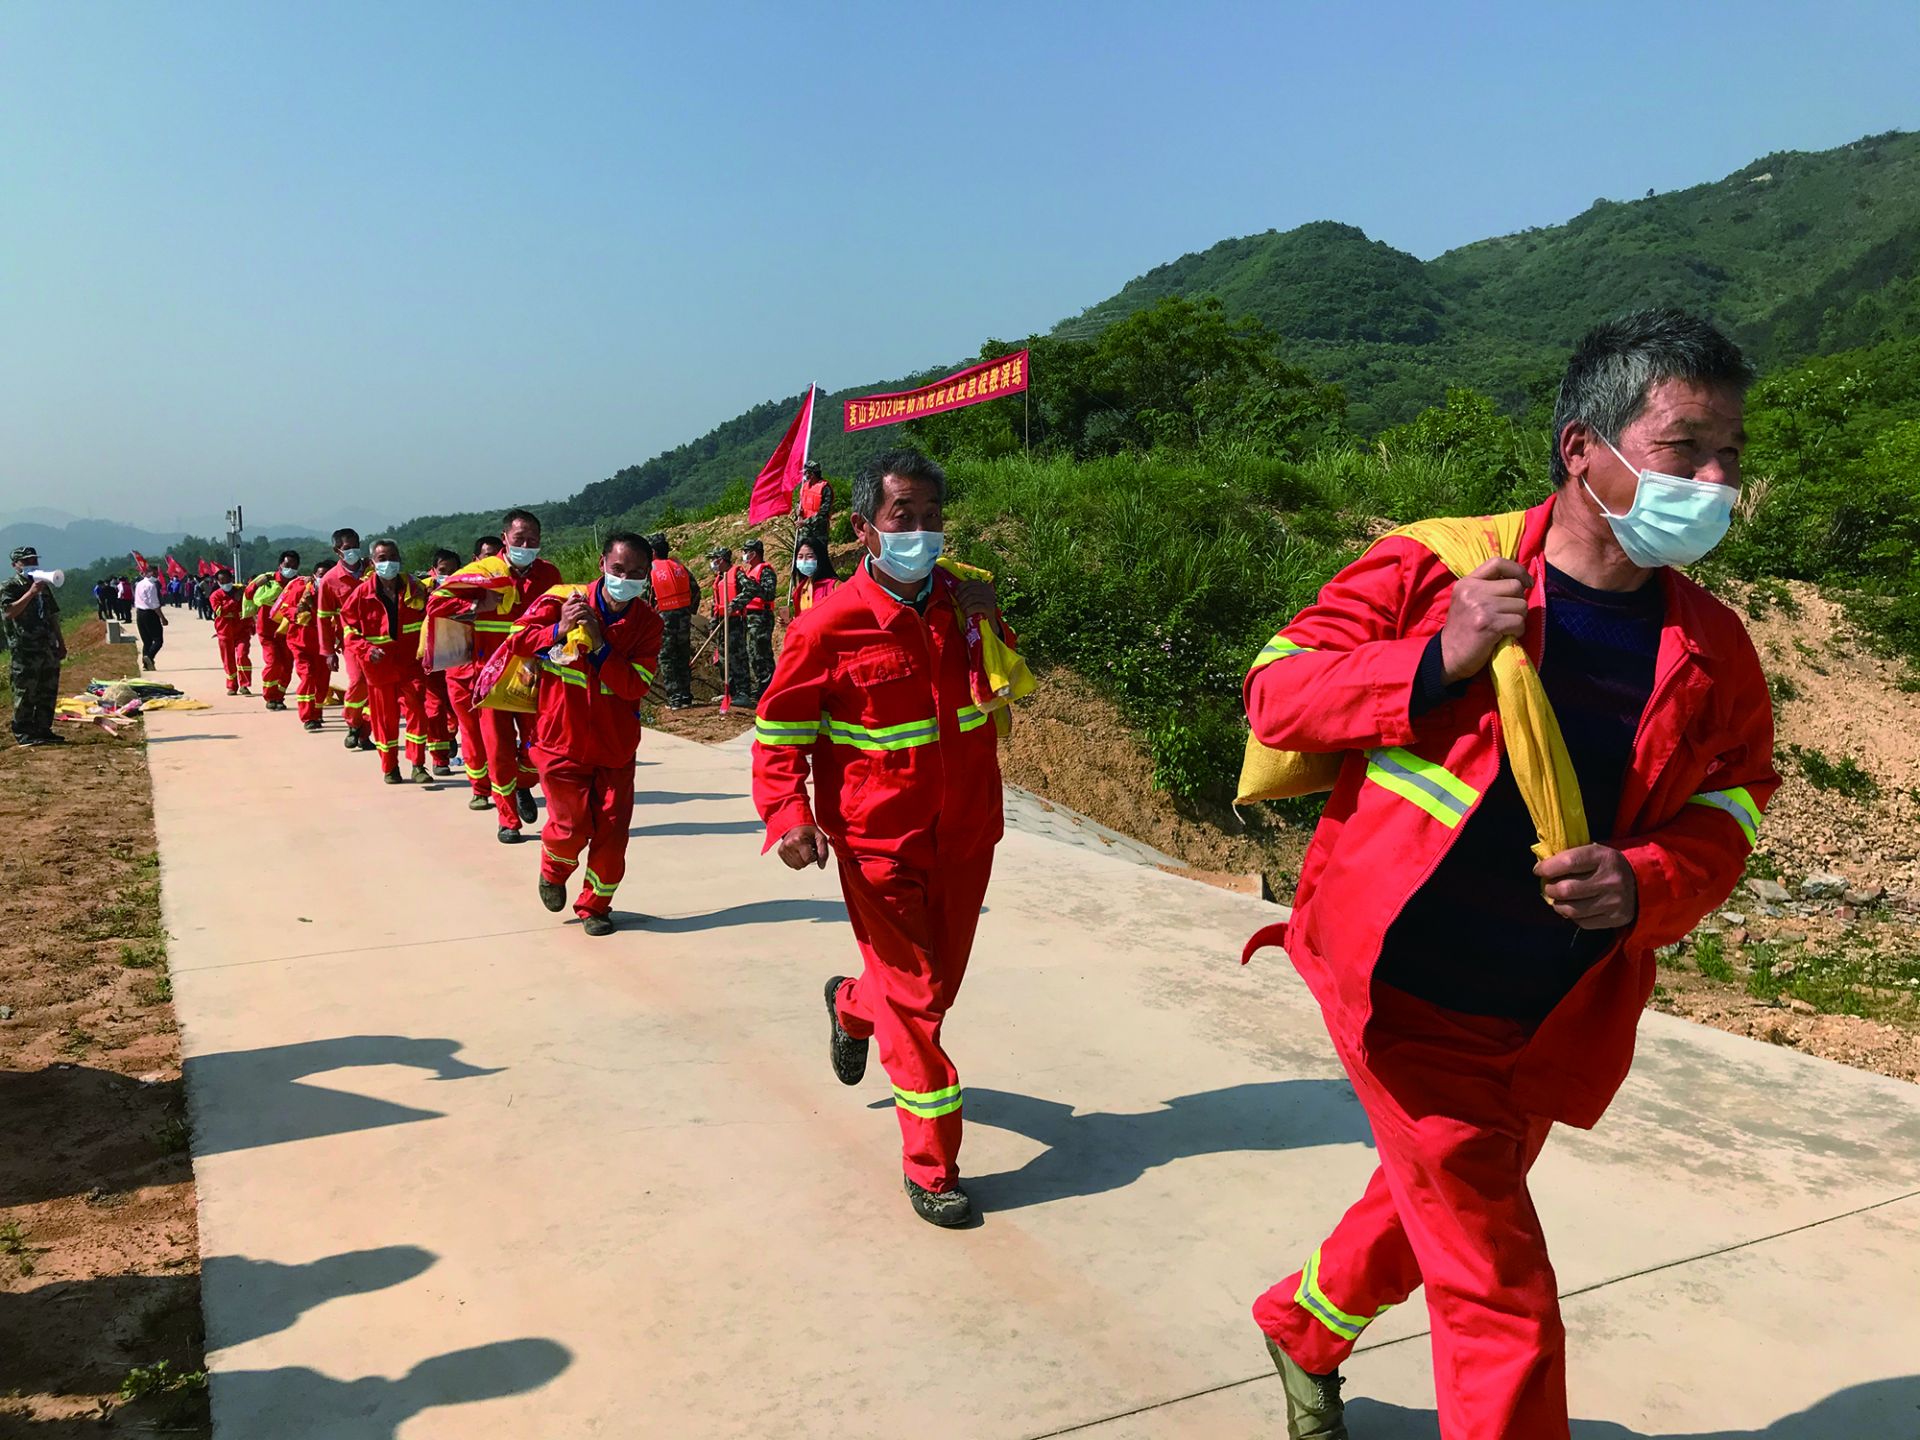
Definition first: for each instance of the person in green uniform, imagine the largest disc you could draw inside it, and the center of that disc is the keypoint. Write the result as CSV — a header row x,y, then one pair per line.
x,y
31,617
758,584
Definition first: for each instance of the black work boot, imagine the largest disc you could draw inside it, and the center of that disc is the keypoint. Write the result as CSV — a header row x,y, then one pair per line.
x,y
598,925
352,742
1315,1410
507,835
553,896
947,1209
525,801
849,1055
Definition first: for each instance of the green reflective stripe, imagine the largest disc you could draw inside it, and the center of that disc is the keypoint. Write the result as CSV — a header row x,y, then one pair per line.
x,y
558,859
493,627
599,886
971,717
1737,802
786,732
1279,648
371,639
416,739
384,746
885,737
929,1104
301,697
501,789
329,614
642,671
412,628
566,673
474,772
1314,1300
1434,788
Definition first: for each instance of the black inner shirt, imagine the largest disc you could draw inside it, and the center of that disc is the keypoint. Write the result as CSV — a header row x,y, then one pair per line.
x,y
1477,937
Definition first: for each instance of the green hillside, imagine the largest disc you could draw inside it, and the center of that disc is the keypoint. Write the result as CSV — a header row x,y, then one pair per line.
x,y
1798,254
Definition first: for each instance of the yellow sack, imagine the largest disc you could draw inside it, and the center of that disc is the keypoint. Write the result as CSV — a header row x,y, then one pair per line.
x,y
1535,747
575,645
997,675
517,688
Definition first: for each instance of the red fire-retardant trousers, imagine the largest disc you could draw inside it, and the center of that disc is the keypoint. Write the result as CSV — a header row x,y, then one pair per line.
x,y
439,716
236,658
276,667
386,700
473,739
353,709
312,683
509,767
1448,1208
915,932
588,808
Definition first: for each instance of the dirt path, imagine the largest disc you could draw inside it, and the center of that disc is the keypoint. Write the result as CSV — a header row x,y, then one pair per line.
x,y
99,1257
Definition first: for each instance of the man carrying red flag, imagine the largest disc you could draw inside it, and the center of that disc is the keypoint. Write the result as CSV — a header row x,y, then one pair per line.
x,y
598,649
340,582
380,621
873,695
230,633
504,599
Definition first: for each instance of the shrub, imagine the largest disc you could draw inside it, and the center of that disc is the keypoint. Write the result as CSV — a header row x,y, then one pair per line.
x,y
1843,775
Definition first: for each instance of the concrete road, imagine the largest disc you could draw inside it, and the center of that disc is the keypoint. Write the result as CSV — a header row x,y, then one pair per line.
x,y
465,1172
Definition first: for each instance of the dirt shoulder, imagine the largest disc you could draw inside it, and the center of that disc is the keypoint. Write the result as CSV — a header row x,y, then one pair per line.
x,y
99,1252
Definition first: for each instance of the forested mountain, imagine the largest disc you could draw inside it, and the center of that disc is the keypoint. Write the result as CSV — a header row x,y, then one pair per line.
x,y
1798,254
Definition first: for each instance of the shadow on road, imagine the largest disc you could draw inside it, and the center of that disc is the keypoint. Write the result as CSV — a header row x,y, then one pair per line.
x,y
243,1099
174,739
697,827
294,1402
246,1299
1093,1152
753,912
1884,1409
674,797
72,1129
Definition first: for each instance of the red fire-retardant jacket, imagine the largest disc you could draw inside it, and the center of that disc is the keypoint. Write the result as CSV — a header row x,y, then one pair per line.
x,y
366,628
1339,677
492,627
876,702
590,707
225,604
299,606
335,586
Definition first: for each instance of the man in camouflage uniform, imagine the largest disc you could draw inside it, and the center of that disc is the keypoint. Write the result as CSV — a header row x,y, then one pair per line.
x,y
729,607
31,617
757,585
676,595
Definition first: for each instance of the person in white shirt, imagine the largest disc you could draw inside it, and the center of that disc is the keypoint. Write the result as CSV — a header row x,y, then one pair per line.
x,y
150,618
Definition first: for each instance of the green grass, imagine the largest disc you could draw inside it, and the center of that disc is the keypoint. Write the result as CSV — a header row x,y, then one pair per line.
x,y
158,1380
1782,688
1843,776
1843,980
1710,954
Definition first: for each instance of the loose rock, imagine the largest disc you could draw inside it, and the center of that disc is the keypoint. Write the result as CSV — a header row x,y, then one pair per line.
x,y
1769,892
1823,887
1865,895
1732,917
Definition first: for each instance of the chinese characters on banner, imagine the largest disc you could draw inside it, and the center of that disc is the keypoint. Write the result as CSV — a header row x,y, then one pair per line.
x,y
988,380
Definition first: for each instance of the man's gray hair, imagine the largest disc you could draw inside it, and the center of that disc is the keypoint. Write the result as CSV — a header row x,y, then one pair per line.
x,y
1617,363
385,540
907,463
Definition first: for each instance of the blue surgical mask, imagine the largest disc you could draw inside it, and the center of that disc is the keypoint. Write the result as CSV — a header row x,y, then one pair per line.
x,y
621,588
807,567
287,572
908,555
521,556
1673,520
387,569
352,557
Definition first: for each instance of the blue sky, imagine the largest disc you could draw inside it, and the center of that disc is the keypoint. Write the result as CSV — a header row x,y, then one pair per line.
x,y
428,257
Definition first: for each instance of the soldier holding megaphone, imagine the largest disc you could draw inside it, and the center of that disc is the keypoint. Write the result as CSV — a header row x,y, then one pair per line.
x,y
32,619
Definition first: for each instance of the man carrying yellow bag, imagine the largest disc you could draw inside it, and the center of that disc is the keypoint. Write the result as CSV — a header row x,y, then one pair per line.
x,y
1548,753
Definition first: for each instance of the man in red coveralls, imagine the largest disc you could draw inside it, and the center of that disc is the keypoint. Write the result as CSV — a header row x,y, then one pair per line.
x,y
335,586
440,717
298,610
872,695
276,656
232,634
505,733
589,723
380,621
1474,996
460,698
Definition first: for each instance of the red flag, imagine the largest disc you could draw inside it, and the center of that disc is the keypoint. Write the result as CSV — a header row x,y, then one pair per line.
x,y
141,561
773,486
206,567
175,570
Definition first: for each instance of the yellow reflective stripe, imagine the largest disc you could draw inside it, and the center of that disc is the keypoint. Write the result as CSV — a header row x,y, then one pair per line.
x,y
412,628
474,772
1310,1297
599,886
501,789
371,639
493,627
416,739
971,717
1434,788
328,614
1737,802
565,672
929,1104
886,737
642,671
559,859
786,732
1278,648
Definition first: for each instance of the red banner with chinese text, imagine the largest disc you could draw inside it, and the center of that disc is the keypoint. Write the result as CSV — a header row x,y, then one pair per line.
x,y
988,380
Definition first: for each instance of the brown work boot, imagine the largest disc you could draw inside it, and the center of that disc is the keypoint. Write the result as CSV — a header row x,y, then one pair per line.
x,y
1315,1410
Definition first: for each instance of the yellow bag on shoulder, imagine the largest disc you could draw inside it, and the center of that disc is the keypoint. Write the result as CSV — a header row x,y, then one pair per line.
x,y
1535,747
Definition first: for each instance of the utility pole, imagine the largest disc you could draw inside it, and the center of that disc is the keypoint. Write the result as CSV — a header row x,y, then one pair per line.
x,y
236,524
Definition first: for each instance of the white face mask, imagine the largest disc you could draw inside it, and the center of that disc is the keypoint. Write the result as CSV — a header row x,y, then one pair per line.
x,y
1674,520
